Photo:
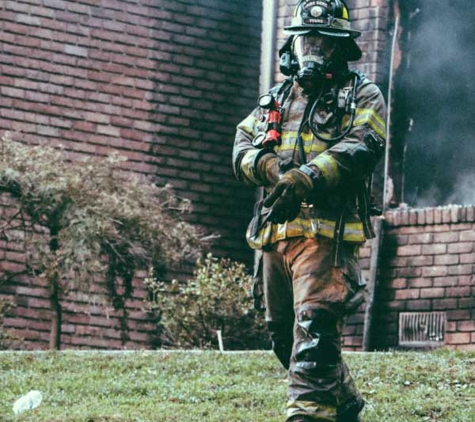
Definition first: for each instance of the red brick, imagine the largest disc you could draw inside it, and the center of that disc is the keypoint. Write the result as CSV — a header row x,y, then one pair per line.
x,y
466,325
85,126
445,281
421,261
446,259
421,217
450,237
434,292
349,330
420,238
408,272
467,258
354,341
460,269
434,249
435,271
441,228
407,294
397,262
8,91
412,229
461,227
458,338
444,304
39,303
398,283
462,247
16,257
411,250
39,325
418,305
458,291
446,215
465,280
468,236
415,283
458,315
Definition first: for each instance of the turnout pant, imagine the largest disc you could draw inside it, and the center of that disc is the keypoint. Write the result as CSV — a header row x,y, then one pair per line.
x,y
306,300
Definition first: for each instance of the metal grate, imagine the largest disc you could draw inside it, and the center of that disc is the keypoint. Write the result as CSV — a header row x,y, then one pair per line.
x,y
422,329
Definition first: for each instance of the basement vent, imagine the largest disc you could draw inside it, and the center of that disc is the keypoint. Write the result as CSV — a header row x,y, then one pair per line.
x,y
422,329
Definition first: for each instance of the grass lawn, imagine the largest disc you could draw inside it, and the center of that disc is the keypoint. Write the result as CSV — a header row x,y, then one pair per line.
x,y
247,387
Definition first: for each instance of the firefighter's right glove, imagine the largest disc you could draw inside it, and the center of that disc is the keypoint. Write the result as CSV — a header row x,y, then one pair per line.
x,y
268,169
286,198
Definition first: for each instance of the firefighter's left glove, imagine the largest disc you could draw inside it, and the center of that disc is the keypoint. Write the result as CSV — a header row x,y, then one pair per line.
x,y
286,197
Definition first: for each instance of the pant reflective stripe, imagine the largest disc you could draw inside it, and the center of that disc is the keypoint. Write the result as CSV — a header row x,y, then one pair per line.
x,y
311,409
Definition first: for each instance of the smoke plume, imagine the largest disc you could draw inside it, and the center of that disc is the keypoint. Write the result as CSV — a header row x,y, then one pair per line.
x,y
440,90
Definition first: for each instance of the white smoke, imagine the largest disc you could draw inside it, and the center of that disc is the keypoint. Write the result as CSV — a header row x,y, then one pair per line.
x,y
464,192
439,85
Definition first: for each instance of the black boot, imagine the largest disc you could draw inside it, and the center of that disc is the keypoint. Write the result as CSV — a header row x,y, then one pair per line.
x,y
300,418
350,412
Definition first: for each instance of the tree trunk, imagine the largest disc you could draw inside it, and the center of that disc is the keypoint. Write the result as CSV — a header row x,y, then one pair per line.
x,y
56,317
55,334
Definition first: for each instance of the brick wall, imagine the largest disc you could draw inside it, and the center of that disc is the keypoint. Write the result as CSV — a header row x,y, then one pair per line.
x,y
165,83
427,264
162,82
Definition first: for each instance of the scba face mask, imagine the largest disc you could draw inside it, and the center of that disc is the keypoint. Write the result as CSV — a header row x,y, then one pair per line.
x,y
314,54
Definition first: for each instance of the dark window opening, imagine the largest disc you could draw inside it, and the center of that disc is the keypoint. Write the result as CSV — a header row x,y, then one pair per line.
x,y
433,137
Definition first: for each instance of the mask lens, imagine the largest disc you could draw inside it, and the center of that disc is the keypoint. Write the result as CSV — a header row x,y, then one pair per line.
x,y
313,53
313,48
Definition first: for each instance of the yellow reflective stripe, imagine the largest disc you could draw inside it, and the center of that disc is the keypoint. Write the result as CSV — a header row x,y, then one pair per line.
x,y
312,409
247,166
371,112
329,168
307,137
370,117
353,231
309,143
249,125
309,228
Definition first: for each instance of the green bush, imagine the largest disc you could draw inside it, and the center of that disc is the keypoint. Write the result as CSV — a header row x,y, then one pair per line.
x,y
7,339
217,298
88,220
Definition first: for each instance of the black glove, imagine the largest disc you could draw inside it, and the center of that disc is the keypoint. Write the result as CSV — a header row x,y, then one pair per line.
x,y
285,199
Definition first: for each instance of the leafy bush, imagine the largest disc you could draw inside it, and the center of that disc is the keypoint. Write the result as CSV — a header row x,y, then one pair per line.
x,y
89,219
217,298
7,340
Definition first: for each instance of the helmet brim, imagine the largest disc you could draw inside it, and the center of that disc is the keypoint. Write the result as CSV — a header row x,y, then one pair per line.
x,y
325,30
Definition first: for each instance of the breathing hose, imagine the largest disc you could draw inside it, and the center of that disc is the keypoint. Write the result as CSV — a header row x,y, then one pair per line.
x,y
352,115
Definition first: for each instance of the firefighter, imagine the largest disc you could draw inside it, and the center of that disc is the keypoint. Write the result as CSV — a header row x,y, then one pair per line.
x,y
313,143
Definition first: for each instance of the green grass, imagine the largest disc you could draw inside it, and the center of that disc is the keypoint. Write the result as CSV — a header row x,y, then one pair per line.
x,y
247,387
